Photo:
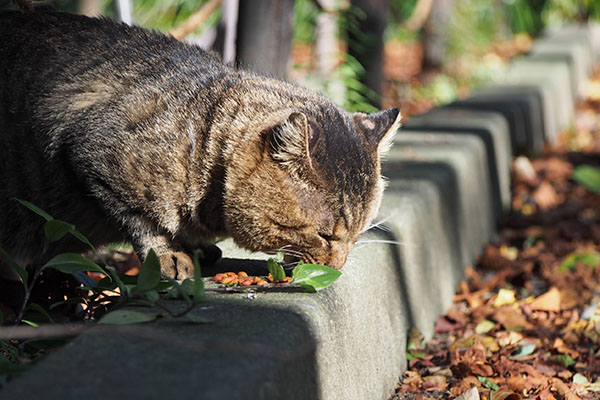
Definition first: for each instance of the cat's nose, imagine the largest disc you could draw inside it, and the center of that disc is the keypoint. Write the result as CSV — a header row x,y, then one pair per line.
x,y
337,260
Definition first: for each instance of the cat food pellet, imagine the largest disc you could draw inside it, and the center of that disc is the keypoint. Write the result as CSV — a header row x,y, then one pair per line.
x,y
243,279
227,280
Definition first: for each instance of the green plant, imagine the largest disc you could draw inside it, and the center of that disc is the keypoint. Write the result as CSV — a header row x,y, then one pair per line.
x,y
105,301
587,176
358,96
311,277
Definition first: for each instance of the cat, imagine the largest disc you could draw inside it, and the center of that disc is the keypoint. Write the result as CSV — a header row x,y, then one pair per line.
x,y
133,135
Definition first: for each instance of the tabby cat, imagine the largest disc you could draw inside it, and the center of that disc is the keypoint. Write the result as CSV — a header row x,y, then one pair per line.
x,y
133,135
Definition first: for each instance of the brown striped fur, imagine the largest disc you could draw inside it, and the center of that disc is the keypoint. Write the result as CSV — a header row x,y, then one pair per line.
x,y
133,135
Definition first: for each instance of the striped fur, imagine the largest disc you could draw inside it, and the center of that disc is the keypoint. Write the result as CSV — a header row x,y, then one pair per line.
x,y
133,135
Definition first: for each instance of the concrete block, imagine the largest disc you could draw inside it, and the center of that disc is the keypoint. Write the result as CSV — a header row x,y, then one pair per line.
x,y
543,107
551,74
585,34
522,111
575,54
347,341
594,31
428,250
467,158
492,128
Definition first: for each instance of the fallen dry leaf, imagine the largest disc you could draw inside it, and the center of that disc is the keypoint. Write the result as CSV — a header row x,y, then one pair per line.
x,y
511,317
549,301
522,326
505,297
469,394
545,196
504,395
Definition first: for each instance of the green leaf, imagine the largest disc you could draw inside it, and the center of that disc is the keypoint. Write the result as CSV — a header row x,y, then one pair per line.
x,y
125,317
182,292
55,229
563,359
9,367
149,276
152,296
196,319
71,263
587,176
23,274
35,209
198,289
314,277
487,383
31,323
112,274
278,257
484,326
276,270
41,310
412,355
591,259
524,350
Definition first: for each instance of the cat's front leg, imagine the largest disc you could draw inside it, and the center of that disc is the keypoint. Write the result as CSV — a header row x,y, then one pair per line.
x,y
175,263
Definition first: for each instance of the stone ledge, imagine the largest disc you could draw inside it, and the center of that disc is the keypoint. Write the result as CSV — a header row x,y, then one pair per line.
x,y
346,342
492,128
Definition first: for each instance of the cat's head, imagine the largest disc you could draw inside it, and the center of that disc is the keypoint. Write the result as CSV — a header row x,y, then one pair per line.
x,y
310,184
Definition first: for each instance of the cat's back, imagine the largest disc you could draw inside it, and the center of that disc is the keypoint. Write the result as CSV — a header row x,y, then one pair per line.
x,y
42,49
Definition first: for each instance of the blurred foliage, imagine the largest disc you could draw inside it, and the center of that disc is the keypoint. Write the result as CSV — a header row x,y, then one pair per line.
x,y
402,10
532,16
305,14
474,25
164,15
526,15
358,95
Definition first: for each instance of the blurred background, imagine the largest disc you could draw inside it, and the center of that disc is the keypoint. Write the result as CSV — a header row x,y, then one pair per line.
x,y
364,54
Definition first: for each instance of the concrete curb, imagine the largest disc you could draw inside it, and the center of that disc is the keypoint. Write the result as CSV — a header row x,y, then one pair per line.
x,y
448,187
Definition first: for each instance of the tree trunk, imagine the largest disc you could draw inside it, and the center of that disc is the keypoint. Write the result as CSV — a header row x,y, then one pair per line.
x,y
366,45
435,34
264,35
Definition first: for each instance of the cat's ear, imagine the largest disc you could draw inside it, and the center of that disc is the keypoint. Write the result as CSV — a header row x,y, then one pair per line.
x,y
379,128
291,139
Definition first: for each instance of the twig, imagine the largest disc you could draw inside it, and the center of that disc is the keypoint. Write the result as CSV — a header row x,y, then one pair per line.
x,y
43,331
195,20
28,291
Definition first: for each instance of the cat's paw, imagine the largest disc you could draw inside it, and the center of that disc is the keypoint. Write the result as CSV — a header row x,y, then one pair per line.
x,y
176,265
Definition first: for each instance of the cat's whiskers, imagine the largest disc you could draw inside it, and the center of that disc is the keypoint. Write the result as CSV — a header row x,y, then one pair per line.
x,y
379,224
287,250
291,264
395,242
362,243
